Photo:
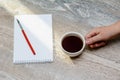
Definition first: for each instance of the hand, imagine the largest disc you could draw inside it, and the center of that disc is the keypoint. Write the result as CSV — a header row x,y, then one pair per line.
x,y
98,36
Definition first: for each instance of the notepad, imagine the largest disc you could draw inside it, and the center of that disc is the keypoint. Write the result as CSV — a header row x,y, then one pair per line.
x,y
38,29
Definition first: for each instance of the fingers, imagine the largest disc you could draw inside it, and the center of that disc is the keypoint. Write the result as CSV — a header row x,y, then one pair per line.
x,y
93,39
91,34
96,45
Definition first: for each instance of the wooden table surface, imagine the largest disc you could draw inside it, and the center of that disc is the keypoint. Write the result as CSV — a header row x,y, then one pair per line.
x,y
68,15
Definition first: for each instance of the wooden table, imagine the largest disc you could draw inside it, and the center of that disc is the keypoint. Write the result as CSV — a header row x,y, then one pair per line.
x,y
68,15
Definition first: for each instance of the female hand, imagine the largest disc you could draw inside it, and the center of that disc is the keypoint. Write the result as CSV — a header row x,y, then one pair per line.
x,y
98,36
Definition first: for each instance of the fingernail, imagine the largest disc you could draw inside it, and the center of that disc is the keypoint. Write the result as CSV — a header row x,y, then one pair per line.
x,y
87,41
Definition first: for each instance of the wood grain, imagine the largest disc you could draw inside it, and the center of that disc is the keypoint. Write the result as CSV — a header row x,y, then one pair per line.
x,y
68,15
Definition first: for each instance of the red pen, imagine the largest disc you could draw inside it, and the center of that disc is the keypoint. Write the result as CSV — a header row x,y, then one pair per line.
x,y
26,38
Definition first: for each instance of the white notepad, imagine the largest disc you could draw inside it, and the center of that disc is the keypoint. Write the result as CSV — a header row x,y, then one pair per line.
x,y
38,29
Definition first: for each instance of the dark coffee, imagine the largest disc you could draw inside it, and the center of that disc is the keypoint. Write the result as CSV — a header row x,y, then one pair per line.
x,y
72,44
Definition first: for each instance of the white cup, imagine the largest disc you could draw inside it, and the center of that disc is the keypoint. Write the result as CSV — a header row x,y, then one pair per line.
x,y
75,34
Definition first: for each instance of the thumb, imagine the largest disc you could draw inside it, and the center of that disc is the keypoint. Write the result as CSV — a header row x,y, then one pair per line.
x,y
94,39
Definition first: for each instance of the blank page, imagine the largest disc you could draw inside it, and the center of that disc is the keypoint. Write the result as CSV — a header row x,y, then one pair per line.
x,y
38,29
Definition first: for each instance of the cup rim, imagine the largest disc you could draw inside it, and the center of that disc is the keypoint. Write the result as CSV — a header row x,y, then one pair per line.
x,y
72,54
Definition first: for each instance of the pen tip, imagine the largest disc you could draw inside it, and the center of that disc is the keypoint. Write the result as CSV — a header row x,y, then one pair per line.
x,y
17,20
34,53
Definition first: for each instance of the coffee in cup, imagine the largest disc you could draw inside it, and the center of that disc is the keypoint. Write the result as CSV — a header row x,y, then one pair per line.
x,y
73,43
